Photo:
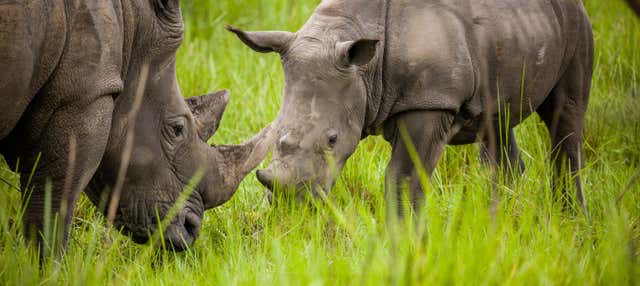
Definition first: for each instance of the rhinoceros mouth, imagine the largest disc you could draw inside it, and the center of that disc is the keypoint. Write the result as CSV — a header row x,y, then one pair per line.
x,y
140,221
299,191
178,235
139,239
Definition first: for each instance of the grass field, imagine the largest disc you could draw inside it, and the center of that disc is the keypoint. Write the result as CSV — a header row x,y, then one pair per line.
x,y
346,240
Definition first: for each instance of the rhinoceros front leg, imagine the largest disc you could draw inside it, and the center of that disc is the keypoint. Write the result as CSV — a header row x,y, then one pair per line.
x,y
71,149
426,133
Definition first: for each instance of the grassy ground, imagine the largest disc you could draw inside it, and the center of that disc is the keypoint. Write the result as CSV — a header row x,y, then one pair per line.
x,y
346,241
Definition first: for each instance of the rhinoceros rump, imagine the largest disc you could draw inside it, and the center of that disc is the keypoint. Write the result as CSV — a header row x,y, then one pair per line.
x,y
70,75
447,72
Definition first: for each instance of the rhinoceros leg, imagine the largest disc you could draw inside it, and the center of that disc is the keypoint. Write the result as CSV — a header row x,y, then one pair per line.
x,y
563,113
504,154
66,164
428,132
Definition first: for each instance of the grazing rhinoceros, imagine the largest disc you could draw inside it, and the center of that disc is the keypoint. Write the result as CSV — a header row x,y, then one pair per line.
x,y
441,70
71,73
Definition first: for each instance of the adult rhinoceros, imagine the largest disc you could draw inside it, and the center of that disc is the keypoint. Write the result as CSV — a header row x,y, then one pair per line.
x,y
71,72
441,69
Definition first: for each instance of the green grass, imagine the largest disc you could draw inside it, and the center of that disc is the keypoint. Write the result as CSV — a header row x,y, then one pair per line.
x,y
455,240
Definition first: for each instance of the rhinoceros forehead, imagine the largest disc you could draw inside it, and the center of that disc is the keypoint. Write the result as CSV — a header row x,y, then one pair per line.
x,y
308,52
311,99
296,125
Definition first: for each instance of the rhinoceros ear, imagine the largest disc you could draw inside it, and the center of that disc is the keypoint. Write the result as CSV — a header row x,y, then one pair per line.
x,y
207,111
264,42
358,53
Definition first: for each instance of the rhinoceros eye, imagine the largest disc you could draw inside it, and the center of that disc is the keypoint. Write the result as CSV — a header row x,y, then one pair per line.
x,y
176,128
332,140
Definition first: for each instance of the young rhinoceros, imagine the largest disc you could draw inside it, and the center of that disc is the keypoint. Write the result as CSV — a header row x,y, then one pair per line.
x,y
446,71
71,73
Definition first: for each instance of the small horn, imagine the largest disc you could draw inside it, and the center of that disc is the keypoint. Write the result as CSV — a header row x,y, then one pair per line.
x,y
238,160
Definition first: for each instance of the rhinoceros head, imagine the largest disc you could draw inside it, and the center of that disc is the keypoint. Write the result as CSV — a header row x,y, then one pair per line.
x,y
166,136
323,110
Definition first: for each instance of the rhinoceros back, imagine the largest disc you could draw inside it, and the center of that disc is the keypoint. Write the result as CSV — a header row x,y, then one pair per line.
x,y
476,55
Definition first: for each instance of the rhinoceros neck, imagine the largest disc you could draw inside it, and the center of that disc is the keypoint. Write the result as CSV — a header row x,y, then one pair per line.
x,y
370,20
375,77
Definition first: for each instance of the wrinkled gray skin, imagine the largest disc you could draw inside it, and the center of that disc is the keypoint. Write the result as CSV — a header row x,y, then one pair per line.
x,y
70,69
440,69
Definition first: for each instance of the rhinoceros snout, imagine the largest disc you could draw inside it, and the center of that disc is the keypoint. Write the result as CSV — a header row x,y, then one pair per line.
x,y
182,233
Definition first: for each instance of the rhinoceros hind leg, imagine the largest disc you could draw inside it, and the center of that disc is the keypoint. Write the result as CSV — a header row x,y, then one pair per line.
x,y
563,113
505,153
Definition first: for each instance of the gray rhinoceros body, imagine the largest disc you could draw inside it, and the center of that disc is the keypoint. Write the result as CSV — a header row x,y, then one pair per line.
x,y
447,72
72,76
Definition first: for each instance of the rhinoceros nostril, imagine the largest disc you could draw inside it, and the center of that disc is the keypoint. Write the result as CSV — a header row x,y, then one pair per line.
x,y
266,178
192,224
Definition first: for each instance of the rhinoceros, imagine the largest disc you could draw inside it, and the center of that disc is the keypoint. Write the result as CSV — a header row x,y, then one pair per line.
x,y
82,80
446,72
